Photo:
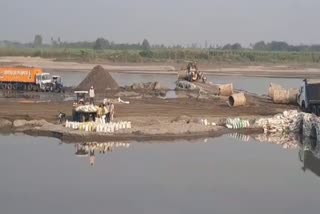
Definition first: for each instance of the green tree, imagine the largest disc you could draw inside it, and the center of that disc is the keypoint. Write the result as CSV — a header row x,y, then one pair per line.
x,y
37,42
145,45
101,44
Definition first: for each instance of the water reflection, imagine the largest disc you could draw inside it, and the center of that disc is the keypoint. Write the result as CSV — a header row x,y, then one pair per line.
x,y
287,141
93,148
309,155
309,148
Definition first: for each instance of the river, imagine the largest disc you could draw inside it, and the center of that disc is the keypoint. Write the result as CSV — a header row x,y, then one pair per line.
x,y
222,175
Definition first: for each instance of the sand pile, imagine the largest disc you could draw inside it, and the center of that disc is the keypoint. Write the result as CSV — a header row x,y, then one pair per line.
x,y
100,79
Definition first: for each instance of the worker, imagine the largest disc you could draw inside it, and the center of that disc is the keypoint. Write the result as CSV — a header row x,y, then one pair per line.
x,y
91,95
111,111
106,112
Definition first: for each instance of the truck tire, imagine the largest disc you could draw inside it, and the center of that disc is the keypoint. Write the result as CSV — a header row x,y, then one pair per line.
x,y
14,86
314,109
35,88
29,87
9,86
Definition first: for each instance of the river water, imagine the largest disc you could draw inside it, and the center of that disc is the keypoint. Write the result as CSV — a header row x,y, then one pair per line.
x,y
258,85
222,175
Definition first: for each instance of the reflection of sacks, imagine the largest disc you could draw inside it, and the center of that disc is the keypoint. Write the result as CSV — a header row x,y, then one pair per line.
x,y
237,123
240,136
289,141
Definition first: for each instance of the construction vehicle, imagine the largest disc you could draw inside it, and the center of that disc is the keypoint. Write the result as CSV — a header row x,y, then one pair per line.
x,y
29,79
309,97
192,74
82,111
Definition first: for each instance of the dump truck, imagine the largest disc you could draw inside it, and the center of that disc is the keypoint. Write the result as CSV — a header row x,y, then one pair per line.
x,y
29,79
309,96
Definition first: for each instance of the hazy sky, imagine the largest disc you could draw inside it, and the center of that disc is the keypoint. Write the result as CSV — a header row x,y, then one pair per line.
x,y
163,21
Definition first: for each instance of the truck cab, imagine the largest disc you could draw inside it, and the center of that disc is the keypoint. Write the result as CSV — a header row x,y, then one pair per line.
x,y
309,96
43,80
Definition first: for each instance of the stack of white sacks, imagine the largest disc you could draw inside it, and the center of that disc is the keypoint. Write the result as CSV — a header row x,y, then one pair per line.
x,y
288,121
237,123
99,126
292,122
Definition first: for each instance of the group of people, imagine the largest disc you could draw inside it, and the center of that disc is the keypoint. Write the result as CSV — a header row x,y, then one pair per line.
x,y
106,111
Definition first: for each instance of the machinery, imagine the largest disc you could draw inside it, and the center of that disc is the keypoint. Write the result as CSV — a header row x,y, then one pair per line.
x,y
82,111
29,79
309,97
192,74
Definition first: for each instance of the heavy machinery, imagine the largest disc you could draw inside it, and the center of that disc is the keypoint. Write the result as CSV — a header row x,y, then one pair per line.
x,y
82,111
309,97
29,79
192,74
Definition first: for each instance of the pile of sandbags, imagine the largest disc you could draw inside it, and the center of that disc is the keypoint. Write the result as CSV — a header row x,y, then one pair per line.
x,y
99,127
288,121
237,123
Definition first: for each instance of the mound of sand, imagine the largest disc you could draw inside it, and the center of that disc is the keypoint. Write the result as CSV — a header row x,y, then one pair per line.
x,y
100,79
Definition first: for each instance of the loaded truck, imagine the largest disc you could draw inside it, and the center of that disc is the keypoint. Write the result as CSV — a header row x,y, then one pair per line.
x,y
309,96
29,79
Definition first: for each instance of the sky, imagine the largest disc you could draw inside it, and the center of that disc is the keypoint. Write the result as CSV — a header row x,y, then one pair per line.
x,y
162,21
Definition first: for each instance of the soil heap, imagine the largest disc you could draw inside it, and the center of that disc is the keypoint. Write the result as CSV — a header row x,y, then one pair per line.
x,y
100,79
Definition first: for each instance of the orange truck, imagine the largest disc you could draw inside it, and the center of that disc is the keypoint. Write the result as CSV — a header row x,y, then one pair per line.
x,y
30,79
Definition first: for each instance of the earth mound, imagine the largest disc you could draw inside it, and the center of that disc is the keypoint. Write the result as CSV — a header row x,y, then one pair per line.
x,y
100,79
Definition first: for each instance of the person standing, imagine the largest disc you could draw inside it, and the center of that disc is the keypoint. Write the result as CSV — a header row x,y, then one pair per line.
x,y
111,111
91,95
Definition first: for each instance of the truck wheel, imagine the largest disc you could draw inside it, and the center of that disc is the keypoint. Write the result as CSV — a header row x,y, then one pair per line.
x,y
29,87
314,110
9,86
14,87
35,88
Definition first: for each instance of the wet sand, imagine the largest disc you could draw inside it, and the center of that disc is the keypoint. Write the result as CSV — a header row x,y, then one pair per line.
x,y
152,118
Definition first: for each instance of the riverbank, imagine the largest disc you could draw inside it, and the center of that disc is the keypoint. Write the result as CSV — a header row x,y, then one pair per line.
x,y
151,118
263,70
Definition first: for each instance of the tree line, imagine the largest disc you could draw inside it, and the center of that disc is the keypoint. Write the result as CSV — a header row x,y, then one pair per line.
x,y
103,44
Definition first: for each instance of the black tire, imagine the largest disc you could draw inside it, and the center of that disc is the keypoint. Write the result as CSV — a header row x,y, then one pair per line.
x,y
29,87
14,86
1,85
314,110
9,86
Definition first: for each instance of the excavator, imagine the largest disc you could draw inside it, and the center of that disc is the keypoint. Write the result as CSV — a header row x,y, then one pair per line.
x,y
192,74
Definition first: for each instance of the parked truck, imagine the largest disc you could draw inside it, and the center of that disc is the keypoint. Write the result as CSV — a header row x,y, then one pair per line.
x,y
309,96
29,79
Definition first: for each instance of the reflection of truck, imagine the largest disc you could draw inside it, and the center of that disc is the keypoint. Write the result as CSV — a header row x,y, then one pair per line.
x,y
29,79
309,156
82,111
309,97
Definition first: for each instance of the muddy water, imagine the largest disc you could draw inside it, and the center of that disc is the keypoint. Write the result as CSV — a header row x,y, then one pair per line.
x,y
223,175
